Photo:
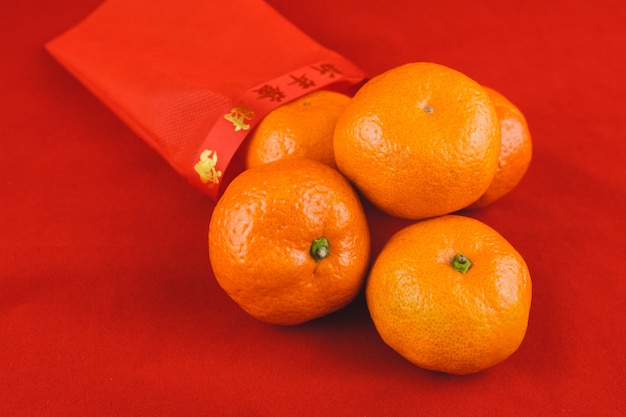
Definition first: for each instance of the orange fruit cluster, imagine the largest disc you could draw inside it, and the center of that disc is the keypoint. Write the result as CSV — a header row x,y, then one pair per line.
x,y
289,240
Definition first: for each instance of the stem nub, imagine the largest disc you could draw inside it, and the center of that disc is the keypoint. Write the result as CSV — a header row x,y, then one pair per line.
x,y
320,248
460,263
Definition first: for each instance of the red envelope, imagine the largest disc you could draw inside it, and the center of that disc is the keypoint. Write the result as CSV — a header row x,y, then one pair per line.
x,y
192,78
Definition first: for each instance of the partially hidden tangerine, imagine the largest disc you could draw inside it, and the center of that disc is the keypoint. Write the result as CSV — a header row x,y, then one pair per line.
x,y
302,128
515,152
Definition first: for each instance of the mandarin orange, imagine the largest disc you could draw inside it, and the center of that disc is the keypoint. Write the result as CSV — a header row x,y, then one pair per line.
x,y
289,241
419,140
450,294
303,127
515,151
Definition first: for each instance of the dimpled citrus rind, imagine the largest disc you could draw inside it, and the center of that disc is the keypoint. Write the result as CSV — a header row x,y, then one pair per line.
x,y
419,140
515,152
443,320
300,128
261,232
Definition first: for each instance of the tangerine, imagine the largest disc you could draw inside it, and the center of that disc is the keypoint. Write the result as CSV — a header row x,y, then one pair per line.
x,y
419,140
289,241
515,151
303,127
450,294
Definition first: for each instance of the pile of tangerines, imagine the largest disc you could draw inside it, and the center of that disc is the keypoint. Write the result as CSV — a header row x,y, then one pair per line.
x,y
289,240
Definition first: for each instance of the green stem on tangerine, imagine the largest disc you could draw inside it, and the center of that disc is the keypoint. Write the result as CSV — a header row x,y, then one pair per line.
x,y
320,248
460,263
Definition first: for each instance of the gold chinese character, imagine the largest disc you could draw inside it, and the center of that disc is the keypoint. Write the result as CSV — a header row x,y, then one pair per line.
x,y
238,116
206,168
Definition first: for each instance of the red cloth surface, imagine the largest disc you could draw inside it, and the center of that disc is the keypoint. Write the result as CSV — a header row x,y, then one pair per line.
x,y
107,302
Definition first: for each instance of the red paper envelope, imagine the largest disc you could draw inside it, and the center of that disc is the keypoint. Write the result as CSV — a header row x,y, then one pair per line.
x,y
193,78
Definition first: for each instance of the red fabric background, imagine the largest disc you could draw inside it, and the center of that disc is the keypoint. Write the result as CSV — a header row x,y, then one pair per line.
x,y
107,302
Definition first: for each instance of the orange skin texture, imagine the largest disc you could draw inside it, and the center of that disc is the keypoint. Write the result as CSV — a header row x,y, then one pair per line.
x,y
515,152
303,127
261,232
441,319
419,140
